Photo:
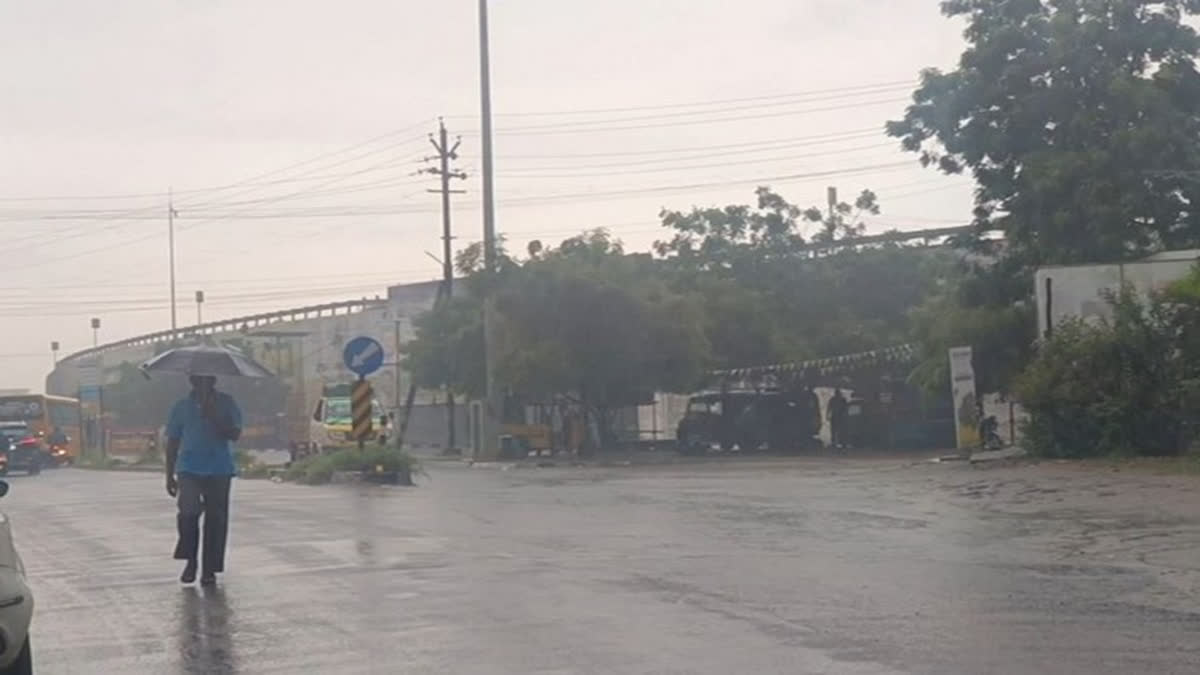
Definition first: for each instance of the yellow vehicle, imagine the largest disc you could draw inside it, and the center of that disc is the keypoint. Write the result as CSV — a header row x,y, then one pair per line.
x,y
334,422
54,419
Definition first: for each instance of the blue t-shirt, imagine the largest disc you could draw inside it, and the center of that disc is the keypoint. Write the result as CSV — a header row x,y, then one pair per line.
x,y
202,450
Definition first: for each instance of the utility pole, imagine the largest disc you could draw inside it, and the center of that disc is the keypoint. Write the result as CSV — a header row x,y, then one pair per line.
x,y
171,213
493,406
445,154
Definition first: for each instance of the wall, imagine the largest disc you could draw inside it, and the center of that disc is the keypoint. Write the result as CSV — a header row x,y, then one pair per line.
x,y
1078,291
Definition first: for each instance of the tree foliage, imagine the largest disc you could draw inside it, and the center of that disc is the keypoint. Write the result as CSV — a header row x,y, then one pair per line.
x,y
1078,121
583,319
1112,387
771,296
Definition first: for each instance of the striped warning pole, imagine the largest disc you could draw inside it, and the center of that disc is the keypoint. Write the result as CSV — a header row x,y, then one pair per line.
x,y
360,411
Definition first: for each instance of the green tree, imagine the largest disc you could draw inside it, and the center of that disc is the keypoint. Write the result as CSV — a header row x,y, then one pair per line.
x,y
584,319
845,220
1114,387
448,351
768,298
1077,119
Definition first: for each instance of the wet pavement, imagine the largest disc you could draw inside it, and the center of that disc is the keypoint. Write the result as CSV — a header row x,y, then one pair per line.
x,y
794,567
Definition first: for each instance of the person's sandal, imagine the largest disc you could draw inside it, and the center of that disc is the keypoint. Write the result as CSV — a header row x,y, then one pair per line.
x,y
189,573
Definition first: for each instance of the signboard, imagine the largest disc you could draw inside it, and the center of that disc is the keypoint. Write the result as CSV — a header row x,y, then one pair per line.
x,y
130,444
966,402
361,397
90,373
363,356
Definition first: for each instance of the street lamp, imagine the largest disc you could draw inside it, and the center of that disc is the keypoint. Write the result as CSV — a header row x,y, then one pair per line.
x,y
199,304
490,422
95,332
54,351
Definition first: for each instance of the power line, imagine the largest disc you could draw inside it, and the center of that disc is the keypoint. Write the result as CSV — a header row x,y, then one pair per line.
x,y
340,212
381,277
810,140
668,169
550,130
732,150
707,113
668,106
235,184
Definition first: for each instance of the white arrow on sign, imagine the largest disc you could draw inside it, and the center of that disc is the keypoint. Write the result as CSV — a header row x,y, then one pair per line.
x,y
366,355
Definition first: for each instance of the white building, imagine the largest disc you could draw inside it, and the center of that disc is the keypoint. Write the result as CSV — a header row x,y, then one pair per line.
x,y
1080,290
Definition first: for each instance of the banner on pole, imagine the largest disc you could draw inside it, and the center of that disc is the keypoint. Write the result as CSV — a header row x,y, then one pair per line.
x,y
966,403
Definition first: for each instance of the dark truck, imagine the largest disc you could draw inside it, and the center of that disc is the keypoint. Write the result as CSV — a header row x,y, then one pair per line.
x,y
23,449
750,420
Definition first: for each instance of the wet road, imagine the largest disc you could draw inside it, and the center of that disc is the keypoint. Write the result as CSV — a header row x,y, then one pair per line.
x,y
775,567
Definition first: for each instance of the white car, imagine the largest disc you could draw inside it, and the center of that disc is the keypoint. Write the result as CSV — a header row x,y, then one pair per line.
x,y
16,604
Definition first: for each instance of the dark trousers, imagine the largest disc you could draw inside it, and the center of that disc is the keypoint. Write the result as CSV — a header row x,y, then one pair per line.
x,y
207,496
837,432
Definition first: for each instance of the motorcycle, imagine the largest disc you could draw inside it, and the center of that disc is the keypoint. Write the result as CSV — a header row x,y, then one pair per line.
x,y
59,454
989,433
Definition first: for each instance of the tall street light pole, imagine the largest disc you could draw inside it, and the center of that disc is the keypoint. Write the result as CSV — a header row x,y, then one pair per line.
x,y
485,97
199,305
492,408
95,332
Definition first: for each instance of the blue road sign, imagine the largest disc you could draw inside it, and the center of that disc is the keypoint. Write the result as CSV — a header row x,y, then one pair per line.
x,y
363,356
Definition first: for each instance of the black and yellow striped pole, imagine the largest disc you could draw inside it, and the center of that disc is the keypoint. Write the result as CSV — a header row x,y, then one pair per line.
x,y
360,410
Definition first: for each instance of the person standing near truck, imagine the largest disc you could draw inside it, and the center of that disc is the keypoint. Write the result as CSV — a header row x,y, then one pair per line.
x,y
838,410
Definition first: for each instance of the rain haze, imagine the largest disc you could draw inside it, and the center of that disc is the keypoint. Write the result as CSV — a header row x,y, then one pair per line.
x,y
685,414
290,134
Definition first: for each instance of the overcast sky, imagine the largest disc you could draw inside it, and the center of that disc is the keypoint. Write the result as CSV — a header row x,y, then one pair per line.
x,y
310,117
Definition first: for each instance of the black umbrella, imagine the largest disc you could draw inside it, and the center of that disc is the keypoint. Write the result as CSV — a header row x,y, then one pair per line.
x,y
217,360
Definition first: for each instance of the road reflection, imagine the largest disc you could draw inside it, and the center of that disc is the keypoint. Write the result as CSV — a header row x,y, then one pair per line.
x,y
205,635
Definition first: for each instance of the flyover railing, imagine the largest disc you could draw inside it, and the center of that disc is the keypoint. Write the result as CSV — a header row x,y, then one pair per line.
x,y
235,325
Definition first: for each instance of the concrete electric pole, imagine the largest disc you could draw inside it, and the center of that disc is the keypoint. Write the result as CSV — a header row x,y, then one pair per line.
x,y
445,154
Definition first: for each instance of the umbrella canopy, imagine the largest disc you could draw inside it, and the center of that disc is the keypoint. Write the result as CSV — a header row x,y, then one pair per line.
x,y
206,360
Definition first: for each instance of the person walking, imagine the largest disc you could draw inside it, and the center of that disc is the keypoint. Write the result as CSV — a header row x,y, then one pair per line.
x,y
201,431
837,411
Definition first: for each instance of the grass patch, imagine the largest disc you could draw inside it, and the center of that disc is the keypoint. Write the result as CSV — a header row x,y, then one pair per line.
x,y
249,467
319,470
96,461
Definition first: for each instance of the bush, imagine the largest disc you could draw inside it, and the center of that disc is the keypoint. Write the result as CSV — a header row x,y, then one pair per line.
x,y
94,460
255,470
1116,387
319,469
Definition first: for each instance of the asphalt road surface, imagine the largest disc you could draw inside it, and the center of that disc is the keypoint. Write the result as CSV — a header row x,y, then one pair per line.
x,y
757,567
